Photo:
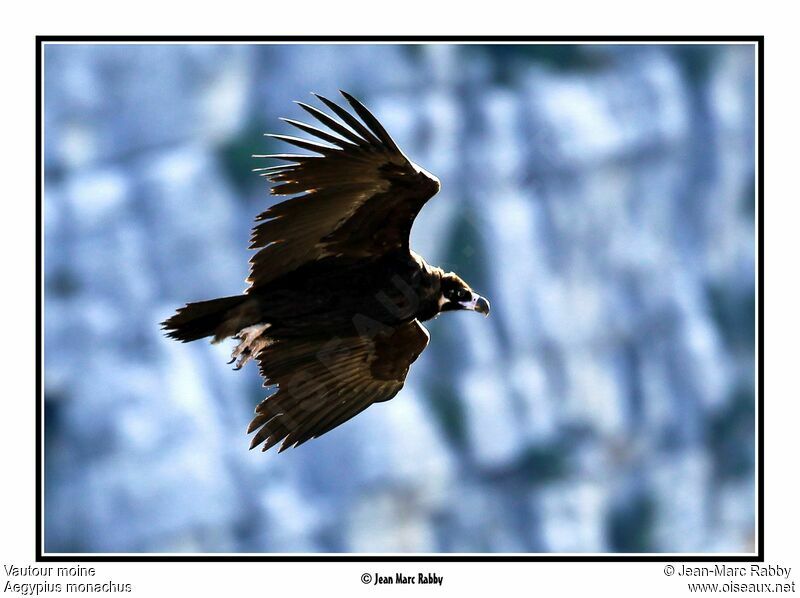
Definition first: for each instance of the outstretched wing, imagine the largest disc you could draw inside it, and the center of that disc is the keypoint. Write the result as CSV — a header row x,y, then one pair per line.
x,y
357,199
322,383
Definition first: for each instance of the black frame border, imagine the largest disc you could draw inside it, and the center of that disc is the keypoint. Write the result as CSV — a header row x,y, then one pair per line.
x,y
758,40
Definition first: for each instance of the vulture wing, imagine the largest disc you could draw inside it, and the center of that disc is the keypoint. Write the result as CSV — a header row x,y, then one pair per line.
x,y
356,199
324,382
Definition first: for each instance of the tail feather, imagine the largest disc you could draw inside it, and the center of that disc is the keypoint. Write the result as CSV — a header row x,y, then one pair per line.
x,y
205,318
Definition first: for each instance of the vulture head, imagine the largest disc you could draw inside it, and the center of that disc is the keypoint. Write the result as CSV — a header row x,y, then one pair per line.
x,y
457,294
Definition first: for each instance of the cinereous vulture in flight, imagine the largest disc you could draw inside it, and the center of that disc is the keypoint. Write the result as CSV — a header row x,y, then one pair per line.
x,y
336,298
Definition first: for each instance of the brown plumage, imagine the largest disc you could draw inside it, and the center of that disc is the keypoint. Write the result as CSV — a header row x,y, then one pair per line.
x,y
336,296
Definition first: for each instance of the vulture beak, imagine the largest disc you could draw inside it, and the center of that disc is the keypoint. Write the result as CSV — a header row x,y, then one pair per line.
x,y
476,303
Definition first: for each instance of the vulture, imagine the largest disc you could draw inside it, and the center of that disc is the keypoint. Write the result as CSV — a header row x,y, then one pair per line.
x,y
336,299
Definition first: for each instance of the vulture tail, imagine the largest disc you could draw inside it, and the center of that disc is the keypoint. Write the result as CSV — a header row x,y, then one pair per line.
x,y
218,317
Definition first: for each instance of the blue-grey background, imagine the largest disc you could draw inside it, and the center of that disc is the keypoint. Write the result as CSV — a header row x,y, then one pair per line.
x,y
601,196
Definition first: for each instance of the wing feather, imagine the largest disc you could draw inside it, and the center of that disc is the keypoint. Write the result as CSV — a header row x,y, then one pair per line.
x,y
351,121
371,122
311,130
305,144
331,123
357,198
323,382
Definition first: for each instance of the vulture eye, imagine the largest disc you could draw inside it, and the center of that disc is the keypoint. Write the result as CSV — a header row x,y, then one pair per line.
x,y
463,295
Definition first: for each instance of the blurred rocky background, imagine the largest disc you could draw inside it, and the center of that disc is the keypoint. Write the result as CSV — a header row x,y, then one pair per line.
x,y
601,196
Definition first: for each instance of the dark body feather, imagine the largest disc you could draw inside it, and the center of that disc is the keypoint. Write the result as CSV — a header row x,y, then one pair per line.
x,y
325,295
336,295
